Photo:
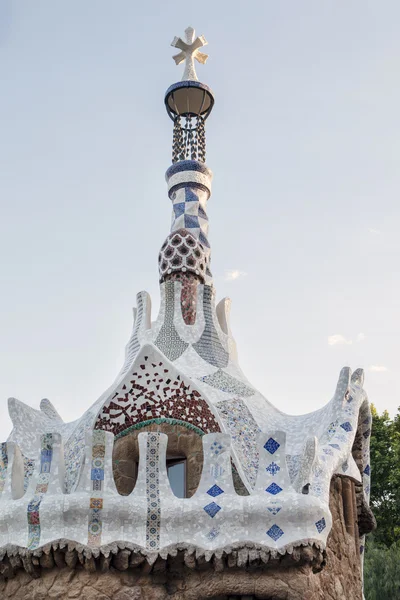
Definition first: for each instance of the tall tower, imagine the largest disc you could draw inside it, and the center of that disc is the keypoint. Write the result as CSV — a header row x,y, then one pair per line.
x,y
181,480
185,255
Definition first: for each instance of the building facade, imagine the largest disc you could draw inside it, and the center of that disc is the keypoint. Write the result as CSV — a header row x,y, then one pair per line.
x,y
182,481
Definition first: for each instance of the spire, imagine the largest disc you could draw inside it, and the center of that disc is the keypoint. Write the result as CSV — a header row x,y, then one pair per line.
x,y
189,102
185,254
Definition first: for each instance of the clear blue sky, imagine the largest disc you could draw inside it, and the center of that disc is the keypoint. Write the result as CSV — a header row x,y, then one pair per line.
x,y
304,144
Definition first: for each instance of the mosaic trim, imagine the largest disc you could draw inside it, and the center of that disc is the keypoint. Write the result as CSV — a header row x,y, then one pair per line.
x,y
33,516
244,430
74,449
209,346
293,465
29,467
187,165
156,393
133,346
182,252
168,340
95,524
189,205
190,284
3,465
159,422
153,523
226,383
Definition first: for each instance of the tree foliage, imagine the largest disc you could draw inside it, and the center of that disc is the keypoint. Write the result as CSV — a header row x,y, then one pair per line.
x,y
385,476
382,557
382,572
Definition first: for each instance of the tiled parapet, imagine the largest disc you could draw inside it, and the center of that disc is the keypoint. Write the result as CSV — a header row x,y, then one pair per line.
x,y
30,518
213,517
335,444
275,515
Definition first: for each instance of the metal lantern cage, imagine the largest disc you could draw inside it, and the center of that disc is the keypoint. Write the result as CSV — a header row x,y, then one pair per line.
x,y
188,104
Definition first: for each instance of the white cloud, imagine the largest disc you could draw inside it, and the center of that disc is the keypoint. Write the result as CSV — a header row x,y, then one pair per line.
x,y
334,340
234,274
361,337
374,231
378,369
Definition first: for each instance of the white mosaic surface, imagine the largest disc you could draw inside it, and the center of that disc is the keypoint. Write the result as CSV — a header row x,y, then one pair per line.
x,y
286,462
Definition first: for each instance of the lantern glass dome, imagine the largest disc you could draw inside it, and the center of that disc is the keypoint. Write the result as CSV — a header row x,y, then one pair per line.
x,y
189,98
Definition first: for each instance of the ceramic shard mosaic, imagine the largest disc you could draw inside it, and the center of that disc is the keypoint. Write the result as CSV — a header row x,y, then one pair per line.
x,y
3,465
155,392
134,344
244,431
226,383
209,346
189,294
168,340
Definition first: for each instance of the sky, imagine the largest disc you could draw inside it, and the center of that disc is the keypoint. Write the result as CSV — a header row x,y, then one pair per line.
x,y
304,215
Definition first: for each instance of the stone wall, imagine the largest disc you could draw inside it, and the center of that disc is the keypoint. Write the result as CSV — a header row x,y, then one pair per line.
x,y
306,573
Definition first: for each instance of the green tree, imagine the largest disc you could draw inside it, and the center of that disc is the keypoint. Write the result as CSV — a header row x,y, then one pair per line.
x,y
385,476
382,557
382,572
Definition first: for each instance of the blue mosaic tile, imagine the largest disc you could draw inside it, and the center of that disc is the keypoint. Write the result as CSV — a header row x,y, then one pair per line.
x,y
204,240
216,448
274,509
271,445
367,433
273,468
97,475
202,213
327,451
273,489
214,491
275,532
179,208
216,471
345,466
212,534
320,525
34,504
367,470
346,426
336,446
212,509
191,221
332,428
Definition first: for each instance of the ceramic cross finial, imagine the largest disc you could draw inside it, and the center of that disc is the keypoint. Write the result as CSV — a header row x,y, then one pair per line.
x,y
189,52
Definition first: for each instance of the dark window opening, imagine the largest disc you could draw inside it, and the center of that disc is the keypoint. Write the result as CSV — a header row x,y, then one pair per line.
x,y
176,470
